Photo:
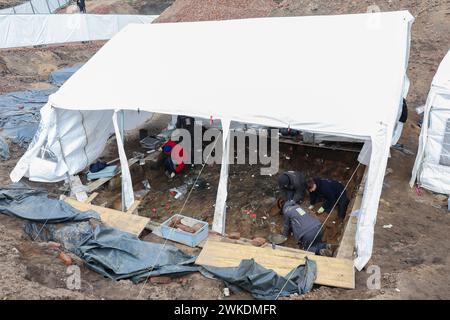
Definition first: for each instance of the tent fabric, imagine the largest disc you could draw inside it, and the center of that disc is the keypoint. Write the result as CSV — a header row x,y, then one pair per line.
x,y
21,30
432,166
339,75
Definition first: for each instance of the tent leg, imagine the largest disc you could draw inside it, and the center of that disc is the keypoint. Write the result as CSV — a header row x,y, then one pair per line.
x,y
127,186
220,209
122,135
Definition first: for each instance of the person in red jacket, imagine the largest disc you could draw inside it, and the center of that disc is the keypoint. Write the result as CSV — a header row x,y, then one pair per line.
x,y
174,161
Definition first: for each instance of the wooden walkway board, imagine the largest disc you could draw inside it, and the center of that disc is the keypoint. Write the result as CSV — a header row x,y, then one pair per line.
x,y
123,221
347,246
330,271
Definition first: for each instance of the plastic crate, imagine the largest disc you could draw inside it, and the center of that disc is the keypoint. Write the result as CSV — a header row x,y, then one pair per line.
x,y
187,238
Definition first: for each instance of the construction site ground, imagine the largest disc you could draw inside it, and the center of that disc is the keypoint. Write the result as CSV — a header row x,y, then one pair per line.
x,y
411,254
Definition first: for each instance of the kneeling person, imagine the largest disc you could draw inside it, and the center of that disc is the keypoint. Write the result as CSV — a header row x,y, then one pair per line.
x,y
331,191
306,229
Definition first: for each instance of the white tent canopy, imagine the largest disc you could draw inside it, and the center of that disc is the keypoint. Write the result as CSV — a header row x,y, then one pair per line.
x,y
340,75
432,167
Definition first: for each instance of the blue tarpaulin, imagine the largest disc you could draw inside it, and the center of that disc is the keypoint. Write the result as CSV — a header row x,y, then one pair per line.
x,y
4,149
60,76
19,200
19,113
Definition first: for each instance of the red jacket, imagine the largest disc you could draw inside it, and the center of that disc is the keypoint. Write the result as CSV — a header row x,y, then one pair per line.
x,y
169,148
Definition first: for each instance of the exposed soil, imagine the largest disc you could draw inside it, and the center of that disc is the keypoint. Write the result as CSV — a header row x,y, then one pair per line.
x,y
252,198
10,3
412,254
29,68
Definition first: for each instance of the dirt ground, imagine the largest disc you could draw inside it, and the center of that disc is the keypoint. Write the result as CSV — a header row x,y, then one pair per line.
x,y
412,254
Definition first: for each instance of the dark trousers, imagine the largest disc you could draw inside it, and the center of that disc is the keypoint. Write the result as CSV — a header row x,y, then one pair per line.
x,y
342,206
169,165
317,243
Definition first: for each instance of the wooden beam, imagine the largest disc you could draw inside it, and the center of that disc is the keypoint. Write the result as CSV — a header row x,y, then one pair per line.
x,y
330,271
312,145
134,206
94,185
91,197
117,219
346,248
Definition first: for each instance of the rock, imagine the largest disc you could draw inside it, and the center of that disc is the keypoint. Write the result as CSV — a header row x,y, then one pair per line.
x,y
197,226
185,228
75,259
258,241
160,280
182,280
234,235
66,259
53,244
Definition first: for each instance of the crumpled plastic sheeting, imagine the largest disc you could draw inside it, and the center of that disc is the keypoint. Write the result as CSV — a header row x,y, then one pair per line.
x,y
58,77
19,114
4,149
121,255
19,200
266,284
70,235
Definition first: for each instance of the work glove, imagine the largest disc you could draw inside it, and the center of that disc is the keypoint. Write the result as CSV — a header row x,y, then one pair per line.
x,y
311,207
172,174
321,210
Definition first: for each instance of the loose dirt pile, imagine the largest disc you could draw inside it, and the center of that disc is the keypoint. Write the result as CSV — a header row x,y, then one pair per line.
x,y
29,68
194,10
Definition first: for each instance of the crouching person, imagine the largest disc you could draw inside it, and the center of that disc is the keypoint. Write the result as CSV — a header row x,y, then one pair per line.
x,y
174,158
306,229
332,192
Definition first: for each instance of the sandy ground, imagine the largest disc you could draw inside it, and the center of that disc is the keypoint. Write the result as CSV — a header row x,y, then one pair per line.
x,y
412,255
10,3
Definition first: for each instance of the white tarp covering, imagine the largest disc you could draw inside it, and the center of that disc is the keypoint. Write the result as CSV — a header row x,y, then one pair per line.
x,y
432,167
29,30
36,6
339,75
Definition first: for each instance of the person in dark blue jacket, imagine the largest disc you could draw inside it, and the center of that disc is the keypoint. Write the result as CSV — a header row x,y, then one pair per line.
x,y
332,192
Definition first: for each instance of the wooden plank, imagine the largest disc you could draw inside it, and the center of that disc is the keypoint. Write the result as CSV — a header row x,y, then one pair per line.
x,y
330,271
91,197
120,220
346,248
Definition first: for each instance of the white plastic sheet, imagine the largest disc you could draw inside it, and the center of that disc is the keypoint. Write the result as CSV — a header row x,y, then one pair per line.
x,y
428,170
30,30
36,6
